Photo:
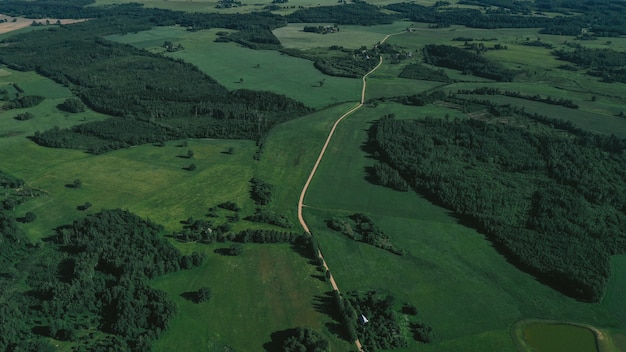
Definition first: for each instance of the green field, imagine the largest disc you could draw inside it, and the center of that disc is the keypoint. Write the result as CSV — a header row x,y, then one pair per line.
x,y
237,67
460,284
268,288
462,287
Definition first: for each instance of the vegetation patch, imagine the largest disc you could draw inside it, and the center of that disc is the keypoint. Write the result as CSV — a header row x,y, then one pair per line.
x,y
362,228
467,62
418,71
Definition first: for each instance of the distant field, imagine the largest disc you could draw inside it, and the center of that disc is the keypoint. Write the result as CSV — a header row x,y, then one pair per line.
x,y
461,286
247,5
351,37
605,123
268,288
237,67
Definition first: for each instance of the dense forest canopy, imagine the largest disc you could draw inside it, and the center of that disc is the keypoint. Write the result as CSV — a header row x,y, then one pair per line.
x,y
554,203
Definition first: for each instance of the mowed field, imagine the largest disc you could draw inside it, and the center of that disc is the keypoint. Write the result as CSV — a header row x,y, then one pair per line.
x,y
237,67
267,289
461,286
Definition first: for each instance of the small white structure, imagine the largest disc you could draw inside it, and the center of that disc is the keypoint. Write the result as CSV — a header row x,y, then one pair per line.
x,y
363,320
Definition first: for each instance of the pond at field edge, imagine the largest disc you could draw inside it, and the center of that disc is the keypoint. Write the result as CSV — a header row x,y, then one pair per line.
x,y
551,337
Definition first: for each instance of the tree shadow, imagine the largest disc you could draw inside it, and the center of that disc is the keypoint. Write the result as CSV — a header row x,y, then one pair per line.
x,y
322,278
191,296
327,305
277,339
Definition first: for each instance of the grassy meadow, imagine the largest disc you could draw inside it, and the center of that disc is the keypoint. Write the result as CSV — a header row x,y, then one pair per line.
x,y
460,284
237,67
268,288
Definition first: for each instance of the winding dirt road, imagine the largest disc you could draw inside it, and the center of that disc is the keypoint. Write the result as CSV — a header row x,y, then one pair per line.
x,y
317,163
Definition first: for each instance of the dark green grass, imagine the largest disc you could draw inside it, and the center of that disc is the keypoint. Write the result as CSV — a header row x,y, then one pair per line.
x,y
266,289
616,289
461,285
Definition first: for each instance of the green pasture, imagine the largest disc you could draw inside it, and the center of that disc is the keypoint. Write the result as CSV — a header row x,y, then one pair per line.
x,y
460,284
237,67
268,288
616,289
147,180
351,37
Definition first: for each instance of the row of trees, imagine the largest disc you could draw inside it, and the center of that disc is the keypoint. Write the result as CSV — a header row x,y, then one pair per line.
x,y
568,103
362,228
536,195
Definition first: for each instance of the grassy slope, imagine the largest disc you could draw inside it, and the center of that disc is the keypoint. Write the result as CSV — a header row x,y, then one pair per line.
x,y
268,288
460,284
229,63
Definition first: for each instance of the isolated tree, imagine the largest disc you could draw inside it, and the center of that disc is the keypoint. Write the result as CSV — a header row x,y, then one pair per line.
x,y
203,295
190,154
77,183
191,167
230,151
24,116
30,217
73,105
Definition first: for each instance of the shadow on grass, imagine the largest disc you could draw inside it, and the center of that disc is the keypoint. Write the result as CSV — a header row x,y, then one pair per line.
x,y
327,305
277,340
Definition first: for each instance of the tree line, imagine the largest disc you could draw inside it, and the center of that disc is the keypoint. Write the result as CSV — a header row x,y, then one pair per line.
x,y
568,103
552,202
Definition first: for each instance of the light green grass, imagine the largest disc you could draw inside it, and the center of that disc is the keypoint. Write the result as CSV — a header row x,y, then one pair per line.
x,y
147,180
462,287
268,288
237,67
616,289
350,37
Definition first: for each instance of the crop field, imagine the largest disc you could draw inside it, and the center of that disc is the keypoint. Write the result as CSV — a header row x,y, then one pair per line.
x,y
237,67
266,289
460,284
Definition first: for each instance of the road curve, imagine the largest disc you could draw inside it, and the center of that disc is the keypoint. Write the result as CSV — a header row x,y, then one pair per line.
x,y
321,155
317,163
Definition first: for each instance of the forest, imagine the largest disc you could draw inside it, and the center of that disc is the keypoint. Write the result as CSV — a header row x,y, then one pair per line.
x,y
119,80
88,283
553,203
